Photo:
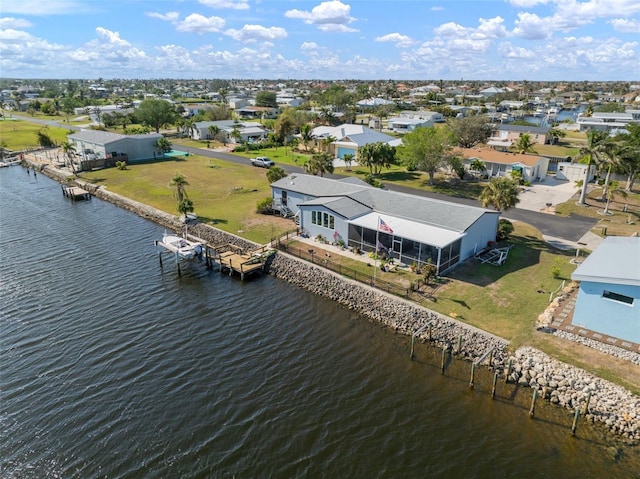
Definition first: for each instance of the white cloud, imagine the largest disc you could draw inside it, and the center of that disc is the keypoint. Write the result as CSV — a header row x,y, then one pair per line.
x,y
527,3
531,26
573,14
309,46
237,5
437,9
111,37
167,17
253,33
492,28
451,29
196,23
625,25
10,22
331,16
397,38
510,51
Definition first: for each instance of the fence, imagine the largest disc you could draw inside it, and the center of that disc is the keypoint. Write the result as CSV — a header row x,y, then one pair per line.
x,y
309,254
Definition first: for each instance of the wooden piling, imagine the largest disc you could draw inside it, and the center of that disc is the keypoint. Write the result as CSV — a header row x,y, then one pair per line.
x,y
493,387
473,372
509,366
574,426
586,405
413,341
459,350
429,333
532,409
444,351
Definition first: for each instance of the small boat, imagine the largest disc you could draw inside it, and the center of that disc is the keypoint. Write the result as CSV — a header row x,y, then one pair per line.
x,y
184,248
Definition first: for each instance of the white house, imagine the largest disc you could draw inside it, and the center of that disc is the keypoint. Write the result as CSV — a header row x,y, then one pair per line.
x,y
499,163
409,228
348,138
606,121
575,171
247,131
608,300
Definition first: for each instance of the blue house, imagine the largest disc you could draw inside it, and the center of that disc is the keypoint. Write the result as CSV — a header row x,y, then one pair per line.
x,y
409,228
608,300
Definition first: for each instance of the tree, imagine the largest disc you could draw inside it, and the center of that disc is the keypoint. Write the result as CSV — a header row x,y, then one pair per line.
x,y
376,156
179,182
266,99
470,130
155,113
426,149
348,159
477,165
592,152
282,129
319,163
185,206
457,166
501,192
555,133
235,132
213,131
614,190
275,173
306,135
524,144
164,145
630,155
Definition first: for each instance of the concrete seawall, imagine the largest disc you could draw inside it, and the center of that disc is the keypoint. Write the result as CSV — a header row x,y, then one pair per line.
x,y
557,382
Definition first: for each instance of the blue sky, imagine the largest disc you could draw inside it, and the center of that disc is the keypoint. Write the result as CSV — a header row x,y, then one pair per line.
x,y
335,39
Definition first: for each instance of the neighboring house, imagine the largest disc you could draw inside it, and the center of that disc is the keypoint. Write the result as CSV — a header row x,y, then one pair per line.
x,y
418,229
405,125
374,103
249,131
608,300
96,144
257,112
608,121
348,138
491,91
498,163
505,135
288,101
575,171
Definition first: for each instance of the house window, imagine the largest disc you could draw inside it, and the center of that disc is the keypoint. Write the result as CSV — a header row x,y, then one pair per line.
x,y
323,219
621,298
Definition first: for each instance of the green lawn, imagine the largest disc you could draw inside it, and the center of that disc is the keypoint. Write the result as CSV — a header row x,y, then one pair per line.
x,y
222,192
19,134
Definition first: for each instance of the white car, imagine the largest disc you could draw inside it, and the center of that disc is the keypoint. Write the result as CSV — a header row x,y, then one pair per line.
x,y
262,161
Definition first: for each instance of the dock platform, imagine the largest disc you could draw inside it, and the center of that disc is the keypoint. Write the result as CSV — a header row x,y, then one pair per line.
x,y
233,260
75,193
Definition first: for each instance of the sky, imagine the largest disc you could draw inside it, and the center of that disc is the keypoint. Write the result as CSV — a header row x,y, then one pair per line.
x,y
508,40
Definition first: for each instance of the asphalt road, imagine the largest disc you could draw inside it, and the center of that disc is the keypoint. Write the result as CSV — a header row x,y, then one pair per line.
x,y
570,228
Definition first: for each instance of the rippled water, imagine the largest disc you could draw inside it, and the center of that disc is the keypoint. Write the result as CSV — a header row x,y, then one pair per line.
x,y
113,367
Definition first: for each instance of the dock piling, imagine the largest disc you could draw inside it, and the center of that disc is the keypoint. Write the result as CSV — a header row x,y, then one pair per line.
x,y
532,409
493,387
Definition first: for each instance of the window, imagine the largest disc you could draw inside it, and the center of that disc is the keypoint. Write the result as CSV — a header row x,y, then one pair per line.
x,y
621,298
323,219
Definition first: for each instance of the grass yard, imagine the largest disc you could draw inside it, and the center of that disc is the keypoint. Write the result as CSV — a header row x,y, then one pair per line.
x,y
223,193
20,134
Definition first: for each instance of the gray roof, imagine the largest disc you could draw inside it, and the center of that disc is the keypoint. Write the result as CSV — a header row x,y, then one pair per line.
x,y
367,136
524,128
443,214
616,261
100,137
344,206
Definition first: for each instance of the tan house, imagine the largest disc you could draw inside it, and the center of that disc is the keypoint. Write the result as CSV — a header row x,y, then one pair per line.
x,y
503,136
500,163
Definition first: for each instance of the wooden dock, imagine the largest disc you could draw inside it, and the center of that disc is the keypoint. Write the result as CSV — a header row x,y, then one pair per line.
x,y
75,193
233,260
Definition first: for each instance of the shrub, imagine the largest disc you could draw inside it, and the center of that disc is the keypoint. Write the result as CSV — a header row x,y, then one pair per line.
x,y
505,228
264,207
121,165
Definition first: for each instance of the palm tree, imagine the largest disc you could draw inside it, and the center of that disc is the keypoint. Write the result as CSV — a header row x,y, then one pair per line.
x,y
179,182
69,151
376,156
185,206
306,135
593,152
524,144
555,133
614,190
501,193
477,165
213,131
348,159
319,163
163,145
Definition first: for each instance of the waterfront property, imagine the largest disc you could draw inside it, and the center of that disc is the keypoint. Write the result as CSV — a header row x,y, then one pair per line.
x,y
408,228
608,300
92,145
505,135
607,121
228,131
499,163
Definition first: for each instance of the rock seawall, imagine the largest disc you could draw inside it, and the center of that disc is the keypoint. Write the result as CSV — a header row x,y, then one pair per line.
x,y
557,382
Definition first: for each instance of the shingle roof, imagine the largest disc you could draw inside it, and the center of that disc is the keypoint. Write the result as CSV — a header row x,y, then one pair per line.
x,y
96,136
495,156
541,130
443,214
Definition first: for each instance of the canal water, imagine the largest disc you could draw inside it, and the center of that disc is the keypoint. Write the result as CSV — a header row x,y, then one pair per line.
x,y
112,367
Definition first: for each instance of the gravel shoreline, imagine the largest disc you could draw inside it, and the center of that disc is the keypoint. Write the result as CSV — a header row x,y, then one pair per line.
x,y
557,382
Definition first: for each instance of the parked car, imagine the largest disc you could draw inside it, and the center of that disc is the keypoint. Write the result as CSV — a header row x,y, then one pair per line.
x,y
262,161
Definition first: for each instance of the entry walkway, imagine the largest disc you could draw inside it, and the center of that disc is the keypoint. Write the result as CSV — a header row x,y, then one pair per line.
x,y
562,321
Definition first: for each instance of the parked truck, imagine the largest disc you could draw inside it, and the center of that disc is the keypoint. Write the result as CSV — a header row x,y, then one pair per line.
x,y
262,161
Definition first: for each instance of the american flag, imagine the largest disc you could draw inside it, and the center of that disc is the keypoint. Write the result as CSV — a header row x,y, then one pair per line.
x,y
385,227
